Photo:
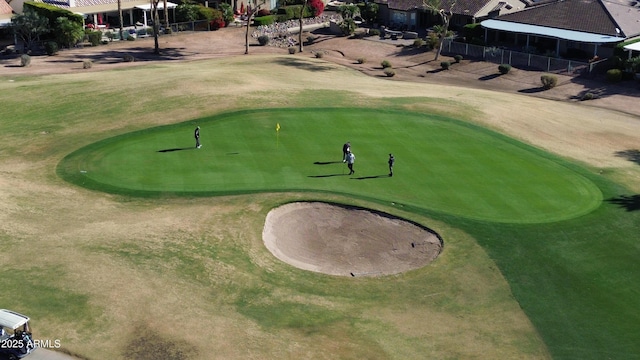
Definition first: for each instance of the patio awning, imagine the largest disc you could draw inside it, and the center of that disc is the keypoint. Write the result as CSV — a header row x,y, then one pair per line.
x,y
635,46
147,7
569,35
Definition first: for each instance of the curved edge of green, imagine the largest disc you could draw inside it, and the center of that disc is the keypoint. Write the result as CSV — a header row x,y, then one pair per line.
x,y
70,173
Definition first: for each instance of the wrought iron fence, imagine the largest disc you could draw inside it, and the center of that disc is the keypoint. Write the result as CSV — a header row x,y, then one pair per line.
x,y
517,59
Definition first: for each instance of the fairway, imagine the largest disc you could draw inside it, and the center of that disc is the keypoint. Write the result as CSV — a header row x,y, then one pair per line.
x,y
443,165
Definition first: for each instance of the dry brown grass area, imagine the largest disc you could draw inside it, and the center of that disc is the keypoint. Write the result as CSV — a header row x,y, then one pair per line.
x,y
124,253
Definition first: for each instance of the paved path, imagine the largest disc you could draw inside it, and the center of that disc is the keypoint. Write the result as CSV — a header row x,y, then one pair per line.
x,y
46,354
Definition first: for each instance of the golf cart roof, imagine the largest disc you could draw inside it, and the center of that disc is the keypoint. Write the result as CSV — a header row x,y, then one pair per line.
x,y
11,319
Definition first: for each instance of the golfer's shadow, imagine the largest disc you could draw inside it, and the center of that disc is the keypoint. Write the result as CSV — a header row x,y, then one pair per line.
x,y
324,176
326,162
176,149
371,177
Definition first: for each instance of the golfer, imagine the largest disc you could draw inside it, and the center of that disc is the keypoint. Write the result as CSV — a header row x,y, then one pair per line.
x,y
351,158
391,161
346,148
196,134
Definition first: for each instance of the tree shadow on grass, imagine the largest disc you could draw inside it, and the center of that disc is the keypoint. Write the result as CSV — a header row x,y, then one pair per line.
x,y
627,202
303,64
632,155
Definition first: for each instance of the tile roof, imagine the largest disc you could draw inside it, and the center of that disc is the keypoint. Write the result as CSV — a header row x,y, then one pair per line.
x,y
462,7
626,14
5,8
589,16
83,3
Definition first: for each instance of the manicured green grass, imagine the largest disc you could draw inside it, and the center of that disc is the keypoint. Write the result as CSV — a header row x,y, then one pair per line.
x,y
442,164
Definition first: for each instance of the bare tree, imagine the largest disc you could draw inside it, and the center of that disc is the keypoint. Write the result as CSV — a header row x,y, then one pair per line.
x,y
120,18
156,28
443,8
166,14
300,42
251,13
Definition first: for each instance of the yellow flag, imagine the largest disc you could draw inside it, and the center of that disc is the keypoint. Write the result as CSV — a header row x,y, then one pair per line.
x,y
277,126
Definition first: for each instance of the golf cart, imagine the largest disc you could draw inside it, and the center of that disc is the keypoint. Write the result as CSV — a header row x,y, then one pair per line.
x,y
16,341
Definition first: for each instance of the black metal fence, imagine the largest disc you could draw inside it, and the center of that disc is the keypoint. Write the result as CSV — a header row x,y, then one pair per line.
x,y
517,59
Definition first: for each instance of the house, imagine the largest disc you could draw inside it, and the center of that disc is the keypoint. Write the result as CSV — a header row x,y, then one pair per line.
x,y
412,14
567,28
6,12
103,13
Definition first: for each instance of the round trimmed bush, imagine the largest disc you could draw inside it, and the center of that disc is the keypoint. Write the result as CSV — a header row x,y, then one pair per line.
x,y
549,81
263,40
588,96
614,75
445,65
87,64
361,60
504,68
25,60
389,72
51,47
385,64
418,43
457,58
128,58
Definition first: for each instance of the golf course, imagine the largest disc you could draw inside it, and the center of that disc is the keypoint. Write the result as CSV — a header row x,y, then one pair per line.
x,y
125,241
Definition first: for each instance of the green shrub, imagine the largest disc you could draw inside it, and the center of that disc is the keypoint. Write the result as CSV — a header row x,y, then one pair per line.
x,y
311,39
504,68
361,60
130,38
549,81
319,54
264,20
385,64
25,60
374,32
457,58
614,75
588,96
128,58
418,43
432,40
292,50
110,35
347,26
51,47
87,64
95,37
445,65
389,72
263,40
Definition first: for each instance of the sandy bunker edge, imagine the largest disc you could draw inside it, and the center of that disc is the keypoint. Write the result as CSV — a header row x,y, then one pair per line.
x,y
347,240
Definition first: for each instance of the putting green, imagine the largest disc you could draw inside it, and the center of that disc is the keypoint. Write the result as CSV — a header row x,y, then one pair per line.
x,y
441,164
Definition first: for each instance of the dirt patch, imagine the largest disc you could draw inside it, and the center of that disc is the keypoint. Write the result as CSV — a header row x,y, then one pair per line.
x,y
347,241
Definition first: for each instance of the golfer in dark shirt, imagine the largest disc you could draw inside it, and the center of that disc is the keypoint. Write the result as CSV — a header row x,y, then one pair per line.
x,y
196,134
392,160
346,148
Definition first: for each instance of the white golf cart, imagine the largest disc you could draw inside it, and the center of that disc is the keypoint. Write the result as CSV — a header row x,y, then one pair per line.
x,y
16,340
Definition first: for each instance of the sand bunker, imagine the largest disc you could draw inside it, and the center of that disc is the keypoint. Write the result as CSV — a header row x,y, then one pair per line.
x,y
347,241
